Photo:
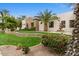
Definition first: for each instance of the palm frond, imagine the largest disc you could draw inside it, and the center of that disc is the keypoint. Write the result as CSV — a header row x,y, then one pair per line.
x,y
47,15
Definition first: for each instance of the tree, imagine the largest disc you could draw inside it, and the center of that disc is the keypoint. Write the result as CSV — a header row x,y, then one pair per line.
x,y
73,46
19,23
3,15
11,23
46,16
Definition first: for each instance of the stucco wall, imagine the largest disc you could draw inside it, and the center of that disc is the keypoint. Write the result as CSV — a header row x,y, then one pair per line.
x,y
41,26
27,22
67,17
23,24
64,16
55,28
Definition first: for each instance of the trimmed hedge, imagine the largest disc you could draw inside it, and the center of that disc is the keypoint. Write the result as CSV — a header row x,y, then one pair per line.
x,y
57,42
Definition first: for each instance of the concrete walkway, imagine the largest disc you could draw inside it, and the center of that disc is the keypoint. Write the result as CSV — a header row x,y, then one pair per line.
x,y
0,53
9,50
40,50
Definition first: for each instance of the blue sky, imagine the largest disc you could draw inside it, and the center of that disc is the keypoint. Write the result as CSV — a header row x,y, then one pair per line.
x,y
32,9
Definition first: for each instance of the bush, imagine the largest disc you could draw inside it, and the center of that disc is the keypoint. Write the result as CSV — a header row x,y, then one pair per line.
x,y
27,29
25,49
12,29
57,42
19,46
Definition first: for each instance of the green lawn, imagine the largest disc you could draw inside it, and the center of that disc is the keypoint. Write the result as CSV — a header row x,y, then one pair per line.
x,y
9,39
38,32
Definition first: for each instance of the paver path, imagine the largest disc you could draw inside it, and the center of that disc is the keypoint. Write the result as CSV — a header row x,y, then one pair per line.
x,y
40,50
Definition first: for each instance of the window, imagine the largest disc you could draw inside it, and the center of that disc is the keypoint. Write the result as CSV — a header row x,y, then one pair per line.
x,y
51,24
71,23
63,24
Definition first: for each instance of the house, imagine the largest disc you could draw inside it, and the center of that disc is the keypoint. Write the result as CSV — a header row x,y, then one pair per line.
x,y
28,23
66,19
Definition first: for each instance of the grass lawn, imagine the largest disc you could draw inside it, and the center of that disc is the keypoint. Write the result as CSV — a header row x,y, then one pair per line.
x,y
38,32
9,39
25,31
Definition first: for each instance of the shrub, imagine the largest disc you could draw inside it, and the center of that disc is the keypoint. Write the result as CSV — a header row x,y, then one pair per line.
x,y
57,42
25,49
27,29
12,29
33,29
19,46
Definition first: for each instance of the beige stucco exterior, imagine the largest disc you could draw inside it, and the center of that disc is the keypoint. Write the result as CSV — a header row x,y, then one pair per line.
x,y
27,23
23,24
67,16
64,16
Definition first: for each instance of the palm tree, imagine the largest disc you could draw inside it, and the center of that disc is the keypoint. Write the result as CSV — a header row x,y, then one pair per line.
x,y
3,14
73,46
46,16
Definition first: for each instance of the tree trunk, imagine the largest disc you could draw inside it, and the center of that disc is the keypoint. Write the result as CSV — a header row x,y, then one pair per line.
x,y
73,46
45,26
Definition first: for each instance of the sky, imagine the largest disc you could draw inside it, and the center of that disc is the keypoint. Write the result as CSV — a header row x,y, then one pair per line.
x,y
33,9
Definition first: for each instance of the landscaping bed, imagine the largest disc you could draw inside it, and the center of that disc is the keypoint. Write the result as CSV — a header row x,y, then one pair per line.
x,y
57,42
